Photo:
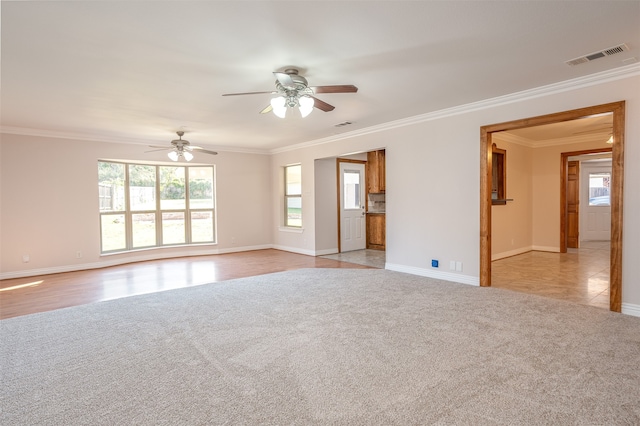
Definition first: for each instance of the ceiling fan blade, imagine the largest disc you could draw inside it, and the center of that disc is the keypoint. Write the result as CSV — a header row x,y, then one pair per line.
x,y
342,88
285,79
249,93
200,149
267,109
322,105
156,150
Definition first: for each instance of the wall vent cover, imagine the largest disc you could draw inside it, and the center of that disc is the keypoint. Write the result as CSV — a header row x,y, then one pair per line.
x,y
597,55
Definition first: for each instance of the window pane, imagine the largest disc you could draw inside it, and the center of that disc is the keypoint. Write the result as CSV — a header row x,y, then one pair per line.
x,y
113,230
172,193
351,189
201,227
293,180
599,186
173,228
294,211
142,187
143,227
201,187
111,186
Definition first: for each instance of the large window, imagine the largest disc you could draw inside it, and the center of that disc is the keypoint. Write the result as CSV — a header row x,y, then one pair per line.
x,y
293,196
150,205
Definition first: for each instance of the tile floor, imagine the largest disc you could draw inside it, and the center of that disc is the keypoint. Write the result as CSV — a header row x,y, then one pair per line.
x,y
374,258
580,275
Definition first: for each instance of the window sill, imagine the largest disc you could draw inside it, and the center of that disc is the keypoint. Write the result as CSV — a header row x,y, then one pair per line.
x,y
291,229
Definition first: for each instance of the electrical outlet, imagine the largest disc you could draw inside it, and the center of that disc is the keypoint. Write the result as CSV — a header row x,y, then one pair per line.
x,y
434,263
25,258
452,265
459,266
78,254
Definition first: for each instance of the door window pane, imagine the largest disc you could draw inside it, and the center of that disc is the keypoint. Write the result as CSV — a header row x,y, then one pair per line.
x,y
200,187
351,190
173,228
142,187
202,227
599,187
144,229
113,232
172,191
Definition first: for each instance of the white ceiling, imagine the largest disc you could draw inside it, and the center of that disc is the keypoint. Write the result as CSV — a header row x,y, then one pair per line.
x,y
138,71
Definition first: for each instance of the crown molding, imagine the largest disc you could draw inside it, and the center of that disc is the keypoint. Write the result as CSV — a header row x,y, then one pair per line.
x,y
619,73
22,131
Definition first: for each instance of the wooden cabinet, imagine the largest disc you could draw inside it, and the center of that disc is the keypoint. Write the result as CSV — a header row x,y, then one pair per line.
x,y
376,231
376,172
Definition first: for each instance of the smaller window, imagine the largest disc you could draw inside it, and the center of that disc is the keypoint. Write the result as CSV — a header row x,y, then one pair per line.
x,y
599,189
293,196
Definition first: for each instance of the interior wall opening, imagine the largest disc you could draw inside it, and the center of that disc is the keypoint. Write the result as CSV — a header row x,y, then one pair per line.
x,y
491,134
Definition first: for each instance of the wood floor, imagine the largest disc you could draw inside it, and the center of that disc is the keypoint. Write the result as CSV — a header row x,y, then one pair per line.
x,y
22,296
580,276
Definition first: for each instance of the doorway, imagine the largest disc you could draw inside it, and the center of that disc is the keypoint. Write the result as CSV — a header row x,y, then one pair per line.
x,y
617,109
351,207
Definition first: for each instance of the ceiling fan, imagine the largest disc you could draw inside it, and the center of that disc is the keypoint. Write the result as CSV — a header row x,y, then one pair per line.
x,y
294,90
181,148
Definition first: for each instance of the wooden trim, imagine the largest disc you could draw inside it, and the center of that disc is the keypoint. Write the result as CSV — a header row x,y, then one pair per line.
x,y
486,168
617,172
338,161
564,171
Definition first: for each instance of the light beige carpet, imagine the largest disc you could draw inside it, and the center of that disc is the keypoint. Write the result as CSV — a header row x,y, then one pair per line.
x,y
322,346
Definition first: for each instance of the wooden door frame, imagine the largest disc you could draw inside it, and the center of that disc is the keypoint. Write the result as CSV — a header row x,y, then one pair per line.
x,y
564,167
347,160
617,173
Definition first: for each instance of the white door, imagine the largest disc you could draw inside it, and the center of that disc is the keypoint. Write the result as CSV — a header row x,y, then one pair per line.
x,y
595,210
352,217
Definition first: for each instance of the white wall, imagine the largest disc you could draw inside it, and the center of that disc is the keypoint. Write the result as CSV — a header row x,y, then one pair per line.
x,y
433,168
50,207
512,223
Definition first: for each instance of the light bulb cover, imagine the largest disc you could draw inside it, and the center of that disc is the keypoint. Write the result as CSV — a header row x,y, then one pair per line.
x,y
306,105
279,107
187,155
173,155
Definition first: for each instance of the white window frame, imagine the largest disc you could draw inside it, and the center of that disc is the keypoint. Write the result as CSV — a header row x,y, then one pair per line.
x,y
290,196
187,210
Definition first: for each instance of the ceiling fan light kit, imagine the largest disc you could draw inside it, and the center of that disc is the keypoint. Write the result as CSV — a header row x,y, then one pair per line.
x,y
293,91
181,148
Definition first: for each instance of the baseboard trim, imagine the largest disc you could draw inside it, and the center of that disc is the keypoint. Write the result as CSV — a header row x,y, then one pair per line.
x,y
510,253
546,248
113,261
631,309
326,252
295,250
446,276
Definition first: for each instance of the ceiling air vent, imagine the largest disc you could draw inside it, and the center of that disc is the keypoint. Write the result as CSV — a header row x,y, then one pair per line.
x,y
597,55
344,123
